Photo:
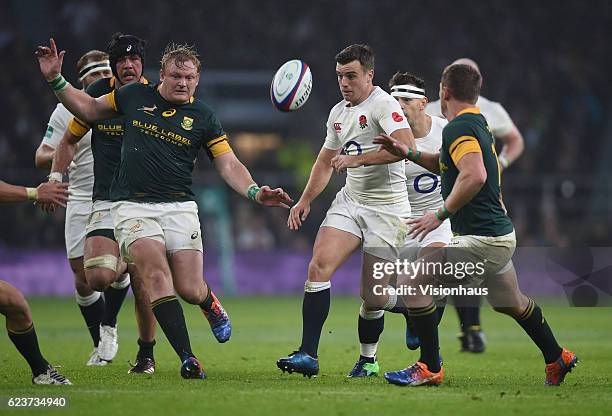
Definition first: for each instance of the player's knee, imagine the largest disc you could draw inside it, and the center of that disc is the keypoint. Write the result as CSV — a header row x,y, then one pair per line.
x,y
192,295
318,272
18,312
101,271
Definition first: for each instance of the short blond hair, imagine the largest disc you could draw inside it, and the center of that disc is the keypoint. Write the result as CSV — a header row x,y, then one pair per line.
x,y
179,54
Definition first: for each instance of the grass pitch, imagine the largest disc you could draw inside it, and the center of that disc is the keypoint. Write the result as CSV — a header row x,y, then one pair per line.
x,y
243,378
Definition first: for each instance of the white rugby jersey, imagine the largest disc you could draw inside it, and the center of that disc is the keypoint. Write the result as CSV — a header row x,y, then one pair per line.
x,y
353,129
81,177
497,117
424,187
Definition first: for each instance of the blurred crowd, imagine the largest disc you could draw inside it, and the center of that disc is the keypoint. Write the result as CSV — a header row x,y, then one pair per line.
x,y
544,61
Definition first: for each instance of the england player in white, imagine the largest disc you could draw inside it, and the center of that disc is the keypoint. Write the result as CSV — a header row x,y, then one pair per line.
x,y
368,211
424,195
503,129
91,66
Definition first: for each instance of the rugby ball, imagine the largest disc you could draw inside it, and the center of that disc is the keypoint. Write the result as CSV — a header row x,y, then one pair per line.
x,y
291,85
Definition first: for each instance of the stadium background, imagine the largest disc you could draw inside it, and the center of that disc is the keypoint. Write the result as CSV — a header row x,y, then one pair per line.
x,y
544,61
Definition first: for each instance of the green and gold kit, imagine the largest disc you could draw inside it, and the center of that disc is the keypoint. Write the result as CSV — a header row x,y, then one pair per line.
x,y
161,141
485,214
106,137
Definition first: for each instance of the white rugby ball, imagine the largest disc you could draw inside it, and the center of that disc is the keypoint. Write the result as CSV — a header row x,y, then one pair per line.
x,y
291,85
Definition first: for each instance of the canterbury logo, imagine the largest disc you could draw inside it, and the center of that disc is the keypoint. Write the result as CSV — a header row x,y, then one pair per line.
x,y
148,109
129,48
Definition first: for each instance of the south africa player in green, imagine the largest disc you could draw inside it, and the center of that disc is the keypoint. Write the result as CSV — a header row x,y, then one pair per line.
x,y
471,189
155,216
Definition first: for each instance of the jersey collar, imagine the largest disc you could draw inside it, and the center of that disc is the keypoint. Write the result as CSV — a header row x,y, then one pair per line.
x,y
469,110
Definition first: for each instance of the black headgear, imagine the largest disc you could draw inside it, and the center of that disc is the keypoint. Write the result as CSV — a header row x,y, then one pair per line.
x,y
122,45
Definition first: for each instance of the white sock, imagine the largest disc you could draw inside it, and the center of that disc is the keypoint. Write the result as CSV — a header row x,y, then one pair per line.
x,y
121,283
87,300
368,350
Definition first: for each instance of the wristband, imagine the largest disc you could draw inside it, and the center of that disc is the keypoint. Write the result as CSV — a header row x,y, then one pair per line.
x,y
58,83
503,161
444,214
55,177
251,192
416,157
32,194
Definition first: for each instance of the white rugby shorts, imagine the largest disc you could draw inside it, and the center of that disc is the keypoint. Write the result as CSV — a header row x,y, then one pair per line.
x,y
381,228
77,215
175,224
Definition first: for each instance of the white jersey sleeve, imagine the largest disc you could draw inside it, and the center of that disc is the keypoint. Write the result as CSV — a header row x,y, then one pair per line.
x,y
390,116
497,117
80,173
58,123
332,141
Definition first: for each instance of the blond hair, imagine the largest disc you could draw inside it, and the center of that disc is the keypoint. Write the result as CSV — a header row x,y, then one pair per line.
x,y
179,54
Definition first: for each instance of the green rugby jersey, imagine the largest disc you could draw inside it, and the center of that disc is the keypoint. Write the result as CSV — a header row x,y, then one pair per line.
x,y
106,137
485,214
160,144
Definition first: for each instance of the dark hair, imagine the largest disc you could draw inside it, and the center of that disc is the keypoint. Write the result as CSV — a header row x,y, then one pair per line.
x,y
463,82
404,78
122,45
357,52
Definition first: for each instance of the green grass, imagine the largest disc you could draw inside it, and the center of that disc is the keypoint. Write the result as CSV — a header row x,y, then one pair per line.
x,y
243,378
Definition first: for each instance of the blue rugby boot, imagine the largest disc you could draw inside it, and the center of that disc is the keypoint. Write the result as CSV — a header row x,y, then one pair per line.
x,y
416,375
299,362
364,368
191,368
219,320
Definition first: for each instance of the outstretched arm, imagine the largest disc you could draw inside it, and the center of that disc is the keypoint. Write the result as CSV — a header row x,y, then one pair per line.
x,y
381,157
46,193
237,176
64,154
513,147
319,178
78,102
430,161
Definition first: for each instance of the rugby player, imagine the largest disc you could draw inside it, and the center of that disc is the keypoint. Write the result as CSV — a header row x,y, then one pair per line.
x,y
12,303
502,127
91,66
424,195
367,211
103,271
471,188
154,212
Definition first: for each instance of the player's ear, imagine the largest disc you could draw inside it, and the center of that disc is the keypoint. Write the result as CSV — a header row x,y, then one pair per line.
x,y
370,75
161,75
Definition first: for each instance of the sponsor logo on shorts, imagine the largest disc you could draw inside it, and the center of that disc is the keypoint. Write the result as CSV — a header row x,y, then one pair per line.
x,y
137,227
194,235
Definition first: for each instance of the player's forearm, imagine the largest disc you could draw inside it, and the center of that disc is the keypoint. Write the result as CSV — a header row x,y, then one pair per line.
x,y
234,173
376,158
44,157
79,103
513,147
465,189
13,193
319,178
63,156
429,161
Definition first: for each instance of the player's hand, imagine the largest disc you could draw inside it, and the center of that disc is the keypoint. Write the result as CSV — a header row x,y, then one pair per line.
x,y
273,197
391,145
422,226
298,213
48,208
53,193
50,60
341,162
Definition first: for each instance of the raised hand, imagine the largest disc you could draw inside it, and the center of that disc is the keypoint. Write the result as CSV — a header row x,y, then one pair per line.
x,y
53,193
50,60
273,197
